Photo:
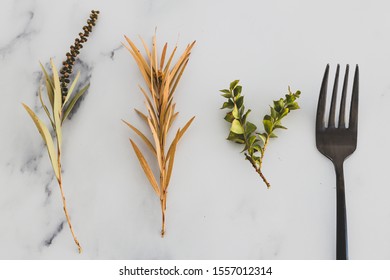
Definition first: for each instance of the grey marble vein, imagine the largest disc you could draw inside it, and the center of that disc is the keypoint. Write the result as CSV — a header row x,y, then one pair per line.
x,y
21,37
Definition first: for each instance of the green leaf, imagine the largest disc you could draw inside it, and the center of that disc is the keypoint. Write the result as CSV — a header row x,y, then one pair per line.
x,y
237,90
280,126
229,117
294,106
274,114
236,127
256,159
245,116
267,126
241,110
252,140
262,136
235,112
227,95
46,138
240,101
250,128
229,104
273,135
57,107
236,138
290,98
234,84
71,89
225,91
73,102
258,148
284,112
278,105
267,117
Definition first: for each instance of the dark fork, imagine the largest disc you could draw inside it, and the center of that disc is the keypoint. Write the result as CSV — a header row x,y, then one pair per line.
x,y
338,143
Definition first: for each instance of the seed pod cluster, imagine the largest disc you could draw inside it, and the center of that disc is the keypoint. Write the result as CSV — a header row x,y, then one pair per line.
x,y
67,65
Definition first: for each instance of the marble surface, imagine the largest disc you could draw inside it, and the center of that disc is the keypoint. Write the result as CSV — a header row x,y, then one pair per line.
x,y
217,206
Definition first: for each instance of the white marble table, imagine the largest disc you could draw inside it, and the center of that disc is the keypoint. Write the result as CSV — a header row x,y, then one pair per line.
x,y
217,206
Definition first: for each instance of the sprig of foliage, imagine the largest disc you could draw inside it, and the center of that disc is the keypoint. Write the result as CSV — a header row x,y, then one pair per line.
x,y
244,132
161,77
62,101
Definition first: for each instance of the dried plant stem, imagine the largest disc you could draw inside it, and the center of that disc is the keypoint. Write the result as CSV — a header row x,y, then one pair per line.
x,y
163,209
64,204
66,212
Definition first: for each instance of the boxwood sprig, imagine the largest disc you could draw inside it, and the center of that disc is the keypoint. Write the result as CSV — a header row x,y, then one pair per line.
x,y
244,132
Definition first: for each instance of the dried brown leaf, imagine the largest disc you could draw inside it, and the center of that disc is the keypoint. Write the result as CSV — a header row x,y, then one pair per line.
x,y
143,137
145,166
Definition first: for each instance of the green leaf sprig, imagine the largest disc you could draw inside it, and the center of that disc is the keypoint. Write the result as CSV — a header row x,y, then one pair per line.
x,y
62,101
244,132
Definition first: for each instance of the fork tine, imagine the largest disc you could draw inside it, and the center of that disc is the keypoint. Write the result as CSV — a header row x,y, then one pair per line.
x,y
353,116
332,111
320,123
343,99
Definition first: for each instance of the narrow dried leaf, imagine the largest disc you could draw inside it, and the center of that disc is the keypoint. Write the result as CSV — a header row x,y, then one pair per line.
x,y
44,106
73,102
183,58
137,52
142,115
140,62
166,69
146,168
143,137
49,86
154,59
184,129
71,89
149,101
173,119
145,47
57,108
179,77
164,52
171,156
181,133
46,138
157,143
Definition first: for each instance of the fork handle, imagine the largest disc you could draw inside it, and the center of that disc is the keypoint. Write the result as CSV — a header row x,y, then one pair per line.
x,y
341,227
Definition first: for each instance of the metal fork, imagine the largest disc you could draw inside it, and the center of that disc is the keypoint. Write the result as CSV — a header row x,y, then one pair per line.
x,y
338,143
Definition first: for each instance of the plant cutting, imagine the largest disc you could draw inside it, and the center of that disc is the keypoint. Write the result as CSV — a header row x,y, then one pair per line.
x,y
244,132
161,77
62,99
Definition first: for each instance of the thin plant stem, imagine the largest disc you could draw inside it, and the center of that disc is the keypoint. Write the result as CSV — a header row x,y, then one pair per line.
x,y
65,208
258,170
